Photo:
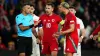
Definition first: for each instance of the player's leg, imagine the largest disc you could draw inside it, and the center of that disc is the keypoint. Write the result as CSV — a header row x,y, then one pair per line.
x,y
47,55
71,46
46,49
22,54
37,50
54,53
69,54
78,50
35,47
66,53
54,47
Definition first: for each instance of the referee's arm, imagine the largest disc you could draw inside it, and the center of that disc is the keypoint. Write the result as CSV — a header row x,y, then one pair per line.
x,y
23,28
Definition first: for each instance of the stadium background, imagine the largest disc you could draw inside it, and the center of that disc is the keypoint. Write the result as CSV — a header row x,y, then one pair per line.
x,y
87,10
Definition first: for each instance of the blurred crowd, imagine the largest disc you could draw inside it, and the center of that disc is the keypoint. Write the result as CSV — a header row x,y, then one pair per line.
x,y
87,10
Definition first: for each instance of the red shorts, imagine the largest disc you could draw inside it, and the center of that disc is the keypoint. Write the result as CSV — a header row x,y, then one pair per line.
x,y
48,47
71,45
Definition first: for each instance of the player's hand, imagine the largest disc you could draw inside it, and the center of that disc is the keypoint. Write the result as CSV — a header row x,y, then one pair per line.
x,y
57,34
95,37
62,33
91,36
80,39
38,41
36,23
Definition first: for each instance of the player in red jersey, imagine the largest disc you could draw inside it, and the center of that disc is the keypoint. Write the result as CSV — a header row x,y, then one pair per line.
x,y
95,32
69,30
50,23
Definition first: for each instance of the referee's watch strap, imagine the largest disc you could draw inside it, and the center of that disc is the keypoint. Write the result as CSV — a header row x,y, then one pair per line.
x,y
31,26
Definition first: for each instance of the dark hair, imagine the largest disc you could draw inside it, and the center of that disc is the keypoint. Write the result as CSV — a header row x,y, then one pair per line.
x,y
72,7
32,5
24,4
50,4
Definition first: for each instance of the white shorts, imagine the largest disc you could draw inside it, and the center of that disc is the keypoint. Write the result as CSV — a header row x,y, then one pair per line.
x,y
78,50
36,49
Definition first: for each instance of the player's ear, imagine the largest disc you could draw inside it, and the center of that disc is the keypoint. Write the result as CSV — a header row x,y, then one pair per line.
x,y
33,9
52,9
74,11
23,9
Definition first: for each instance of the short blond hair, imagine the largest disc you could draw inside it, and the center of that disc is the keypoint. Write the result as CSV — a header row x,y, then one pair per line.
x,y
65,5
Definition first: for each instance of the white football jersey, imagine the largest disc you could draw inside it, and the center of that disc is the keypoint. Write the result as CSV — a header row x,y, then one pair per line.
x,y
36,49
36,18
80,25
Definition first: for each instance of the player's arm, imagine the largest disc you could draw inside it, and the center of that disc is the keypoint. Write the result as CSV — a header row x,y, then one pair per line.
x,y
40,31
95,31
71,29
82,35
83,31
62,22
34,32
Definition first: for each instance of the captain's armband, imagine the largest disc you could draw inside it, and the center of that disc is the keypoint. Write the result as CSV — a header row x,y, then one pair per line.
x,y
62,22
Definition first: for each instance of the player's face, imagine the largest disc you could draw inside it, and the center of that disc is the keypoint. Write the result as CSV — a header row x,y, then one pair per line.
x,y
72,10
48,9
32,9
60,7
27,9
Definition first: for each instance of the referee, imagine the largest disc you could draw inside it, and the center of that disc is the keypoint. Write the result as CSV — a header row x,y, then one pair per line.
x,y
24,24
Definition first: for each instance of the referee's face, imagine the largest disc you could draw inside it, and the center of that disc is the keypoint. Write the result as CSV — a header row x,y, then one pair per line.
x,y
27,9
48,9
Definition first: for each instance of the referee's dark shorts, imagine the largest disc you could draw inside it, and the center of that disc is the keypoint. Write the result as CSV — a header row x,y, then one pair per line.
x,y
24,45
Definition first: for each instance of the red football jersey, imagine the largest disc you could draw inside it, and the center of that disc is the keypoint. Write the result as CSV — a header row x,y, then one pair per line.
x,y
95,32
50,26
70,19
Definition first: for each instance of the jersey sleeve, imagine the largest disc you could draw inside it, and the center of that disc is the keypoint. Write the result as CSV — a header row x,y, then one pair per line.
x,y
59,20
40,24
96,30
40,18
18,20
81,24
72,20
36,18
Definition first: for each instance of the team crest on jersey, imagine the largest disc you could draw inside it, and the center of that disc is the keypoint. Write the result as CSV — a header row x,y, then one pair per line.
x,y
53,20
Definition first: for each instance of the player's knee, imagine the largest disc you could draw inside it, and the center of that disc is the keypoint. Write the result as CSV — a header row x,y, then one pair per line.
x,y
69,54
54,53
48,55
22,54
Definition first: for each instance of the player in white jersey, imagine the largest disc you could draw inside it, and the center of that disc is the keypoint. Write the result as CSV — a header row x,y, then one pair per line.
x,y
36,49
81,31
